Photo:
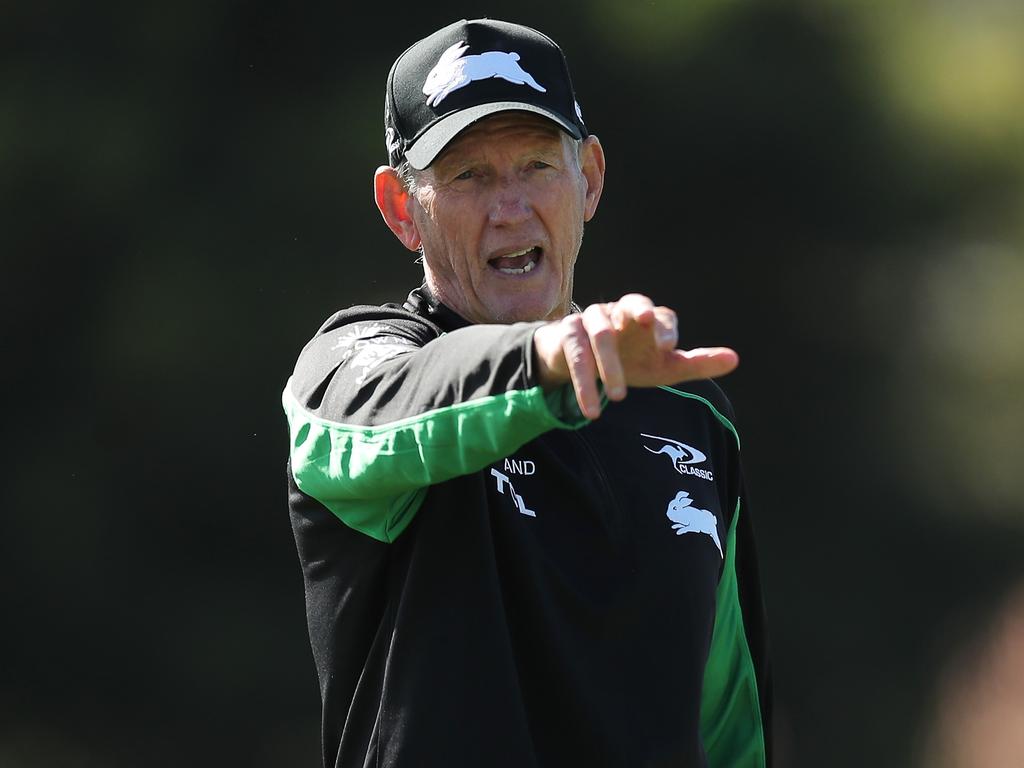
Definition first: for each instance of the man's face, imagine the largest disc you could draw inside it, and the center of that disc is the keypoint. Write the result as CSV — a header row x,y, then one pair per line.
x,y
500,215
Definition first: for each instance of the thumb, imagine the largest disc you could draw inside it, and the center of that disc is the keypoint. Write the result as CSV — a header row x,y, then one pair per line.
x,y
704,362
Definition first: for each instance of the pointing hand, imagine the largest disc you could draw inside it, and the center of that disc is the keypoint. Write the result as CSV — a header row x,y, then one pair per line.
x,y
629,342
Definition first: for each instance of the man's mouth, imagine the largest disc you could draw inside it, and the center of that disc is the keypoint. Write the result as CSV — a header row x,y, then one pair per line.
x,y
518,262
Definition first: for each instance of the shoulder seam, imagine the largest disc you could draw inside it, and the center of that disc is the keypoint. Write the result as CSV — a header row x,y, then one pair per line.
x,y
718,414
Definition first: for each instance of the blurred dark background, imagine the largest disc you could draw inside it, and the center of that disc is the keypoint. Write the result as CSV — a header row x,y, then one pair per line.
x,y
834,188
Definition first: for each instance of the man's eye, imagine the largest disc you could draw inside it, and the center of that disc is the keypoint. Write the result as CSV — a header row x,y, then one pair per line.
x,y
468,174
539,165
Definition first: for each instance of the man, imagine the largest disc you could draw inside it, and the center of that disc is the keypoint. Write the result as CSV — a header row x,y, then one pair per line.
x,y
518,550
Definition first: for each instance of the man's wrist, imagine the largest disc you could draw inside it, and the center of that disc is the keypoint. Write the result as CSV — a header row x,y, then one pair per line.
x,y
547,353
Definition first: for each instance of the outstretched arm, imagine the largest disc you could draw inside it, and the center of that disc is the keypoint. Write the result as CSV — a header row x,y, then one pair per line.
x,y
382,408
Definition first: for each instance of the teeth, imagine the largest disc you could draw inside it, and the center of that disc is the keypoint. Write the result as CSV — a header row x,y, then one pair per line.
x,y
532,252
524,270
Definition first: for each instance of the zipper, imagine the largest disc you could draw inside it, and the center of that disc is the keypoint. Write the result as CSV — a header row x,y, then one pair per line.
x,y
595,462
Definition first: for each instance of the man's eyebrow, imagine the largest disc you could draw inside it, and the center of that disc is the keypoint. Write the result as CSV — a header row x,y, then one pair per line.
x,y
449,163
550,149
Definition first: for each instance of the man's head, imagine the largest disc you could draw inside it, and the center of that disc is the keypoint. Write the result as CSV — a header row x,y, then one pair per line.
x,y
482,118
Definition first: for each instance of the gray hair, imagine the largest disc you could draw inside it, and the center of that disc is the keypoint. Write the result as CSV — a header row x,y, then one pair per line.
x,y
408,175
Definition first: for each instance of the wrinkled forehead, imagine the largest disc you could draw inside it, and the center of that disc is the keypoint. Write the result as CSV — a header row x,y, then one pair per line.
x,y
503,129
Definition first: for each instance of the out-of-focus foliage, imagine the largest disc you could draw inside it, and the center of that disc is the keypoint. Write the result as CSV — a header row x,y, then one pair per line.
x,y
955,69
835,188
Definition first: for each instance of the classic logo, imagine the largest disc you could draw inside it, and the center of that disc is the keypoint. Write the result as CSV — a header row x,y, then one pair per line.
x,y
689,519
454,71
682,456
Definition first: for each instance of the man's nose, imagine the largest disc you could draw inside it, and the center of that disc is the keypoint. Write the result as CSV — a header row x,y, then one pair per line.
x,y
511,203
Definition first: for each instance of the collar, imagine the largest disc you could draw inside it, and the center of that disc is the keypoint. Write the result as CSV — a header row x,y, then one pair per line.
x,y
423,302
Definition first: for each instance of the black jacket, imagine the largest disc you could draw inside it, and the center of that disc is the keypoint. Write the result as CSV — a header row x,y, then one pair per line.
x,y
492,580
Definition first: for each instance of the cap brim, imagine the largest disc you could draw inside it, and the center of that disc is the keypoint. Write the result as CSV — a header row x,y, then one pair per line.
x,y
429,145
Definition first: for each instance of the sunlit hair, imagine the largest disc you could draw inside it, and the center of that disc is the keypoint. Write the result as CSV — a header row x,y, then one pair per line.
x,y
408,176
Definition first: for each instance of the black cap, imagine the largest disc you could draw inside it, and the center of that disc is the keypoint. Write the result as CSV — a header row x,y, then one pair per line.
x,y
467,71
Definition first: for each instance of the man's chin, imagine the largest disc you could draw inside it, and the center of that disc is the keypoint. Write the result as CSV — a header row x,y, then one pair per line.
x,y
524,311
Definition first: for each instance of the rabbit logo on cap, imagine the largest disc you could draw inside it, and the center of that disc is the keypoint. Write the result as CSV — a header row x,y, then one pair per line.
x,y
454,71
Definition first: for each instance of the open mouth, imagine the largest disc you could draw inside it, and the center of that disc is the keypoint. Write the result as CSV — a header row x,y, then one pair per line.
x,y
517,263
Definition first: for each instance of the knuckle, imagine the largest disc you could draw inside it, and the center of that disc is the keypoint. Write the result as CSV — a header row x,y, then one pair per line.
x,y
576,353
573,323
638,298
595,317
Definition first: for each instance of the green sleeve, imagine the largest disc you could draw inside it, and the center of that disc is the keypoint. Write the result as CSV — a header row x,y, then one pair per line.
x,y
374,478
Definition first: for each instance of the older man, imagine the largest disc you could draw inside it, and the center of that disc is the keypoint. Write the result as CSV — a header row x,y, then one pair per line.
x,y
521,546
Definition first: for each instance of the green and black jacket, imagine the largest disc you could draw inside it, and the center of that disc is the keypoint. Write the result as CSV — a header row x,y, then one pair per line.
x,y
492,580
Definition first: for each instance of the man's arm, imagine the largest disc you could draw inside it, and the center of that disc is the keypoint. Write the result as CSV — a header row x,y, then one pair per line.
x,y
380,408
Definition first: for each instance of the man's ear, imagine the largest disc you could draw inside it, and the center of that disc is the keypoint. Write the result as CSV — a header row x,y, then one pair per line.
x,y
592,165
394,203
